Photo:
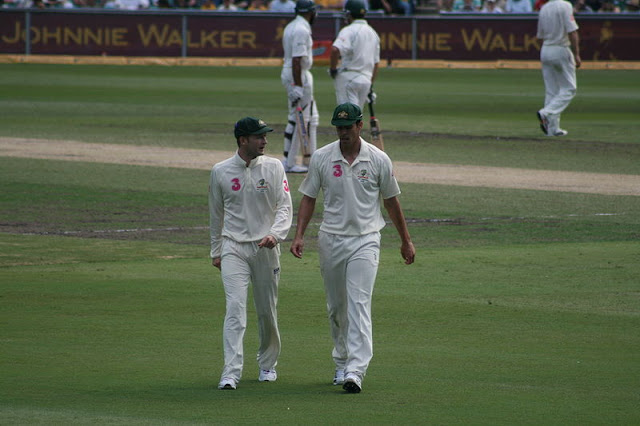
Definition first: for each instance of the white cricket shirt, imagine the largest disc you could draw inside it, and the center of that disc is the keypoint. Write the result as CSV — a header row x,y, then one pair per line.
x,y
297,42
351,192
555,21
359,47
248,203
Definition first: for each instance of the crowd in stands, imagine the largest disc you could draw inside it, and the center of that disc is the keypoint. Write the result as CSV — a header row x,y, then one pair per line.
x,y
383,7
532,6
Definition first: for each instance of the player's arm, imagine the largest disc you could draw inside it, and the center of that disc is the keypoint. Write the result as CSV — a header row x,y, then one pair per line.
x,y
296,70
575,44
284,213
407,250
305,211
374,74
216,218
333,61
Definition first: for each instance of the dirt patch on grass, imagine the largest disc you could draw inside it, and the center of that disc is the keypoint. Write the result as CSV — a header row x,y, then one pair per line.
x,y
439,174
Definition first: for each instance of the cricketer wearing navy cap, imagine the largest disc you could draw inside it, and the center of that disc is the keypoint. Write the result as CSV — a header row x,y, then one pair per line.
x,y
353,176
250,213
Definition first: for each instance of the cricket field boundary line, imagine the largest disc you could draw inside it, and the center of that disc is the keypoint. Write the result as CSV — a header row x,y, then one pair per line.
x,y
277,62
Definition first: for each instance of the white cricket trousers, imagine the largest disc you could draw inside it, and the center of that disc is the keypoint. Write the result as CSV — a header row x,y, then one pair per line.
x,y
352,87
309,112
242,263
559,74
349,265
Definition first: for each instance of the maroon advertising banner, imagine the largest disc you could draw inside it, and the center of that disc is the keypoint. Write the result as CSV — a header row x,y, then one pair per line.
x,y
210,34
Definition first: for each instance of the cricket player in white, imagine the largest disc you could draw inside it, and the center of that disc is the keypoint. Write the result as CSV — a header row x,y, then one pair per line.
x,y
353,175
559,31
357,49
297,79
250,214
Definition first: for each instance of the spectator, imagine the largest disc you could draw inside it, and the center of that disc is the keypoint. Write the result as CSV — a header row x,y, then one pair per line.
x,y
282,6
519,6
208,5
391,7
632,6
186,4
445,5
609,6
467,6
259,5
132,4
227,6
490,6
580,6
330,4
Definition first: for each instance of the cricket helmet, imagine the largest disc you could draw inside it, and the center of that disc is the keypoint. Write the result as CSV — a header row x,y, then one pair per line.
x,y
355,8
304,6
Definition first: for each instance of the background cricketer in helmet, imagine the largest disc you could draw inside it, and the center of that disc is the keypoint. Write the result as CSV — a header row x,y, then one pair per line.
x,y
355,55
296,77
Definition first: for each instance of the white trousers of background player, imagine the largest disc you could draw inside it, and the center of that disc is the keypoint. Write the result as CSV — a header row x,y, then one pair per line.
x,y
352,87
559,75
242,263
349,265
309,111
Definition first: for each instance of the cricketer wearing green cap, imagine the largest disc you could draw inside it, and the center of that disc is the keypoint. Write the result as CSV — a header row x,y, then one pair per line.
x,y
250,126
346,114
250,213
353,175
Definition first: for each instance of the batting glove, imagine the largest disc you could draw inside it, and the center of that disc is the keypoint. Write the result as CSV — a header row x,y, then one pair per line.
x,y
372,96
295,94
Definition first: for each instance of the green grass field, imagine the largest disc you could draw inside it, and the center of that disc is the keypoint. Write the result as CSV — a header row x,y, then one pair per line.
x,y
523,306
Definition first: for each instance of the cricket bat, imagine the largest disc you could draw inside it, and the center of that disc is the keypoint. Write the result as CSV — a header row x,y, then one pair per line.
x,y
376,134
303,134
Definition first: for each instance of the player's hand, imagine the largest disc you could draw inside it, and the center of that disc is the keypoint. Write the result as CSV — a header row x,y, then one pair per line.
x,y
408,252
297,247
216,262
295,94
578,61
333,72
268,242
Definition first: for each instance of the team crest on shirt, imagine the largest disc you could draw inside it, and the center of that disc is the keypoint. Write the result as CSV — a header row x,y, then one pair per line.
x,y
363,175
262,186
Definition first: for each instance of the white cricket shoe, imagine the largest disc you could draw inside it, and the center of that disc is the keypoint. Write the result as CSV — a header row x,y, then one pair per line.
x,y
268,376
227,384
352,383
338,378
296,169
560,132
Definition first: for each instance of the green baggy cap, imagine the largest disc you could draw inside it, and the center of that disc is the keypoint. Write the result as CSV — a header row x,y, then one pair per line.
x,y
346,114
251,126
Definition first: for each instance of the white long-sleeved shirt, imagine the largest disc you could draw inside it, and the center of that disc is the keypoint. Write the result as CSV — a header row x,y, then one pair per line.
x,y
248,203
